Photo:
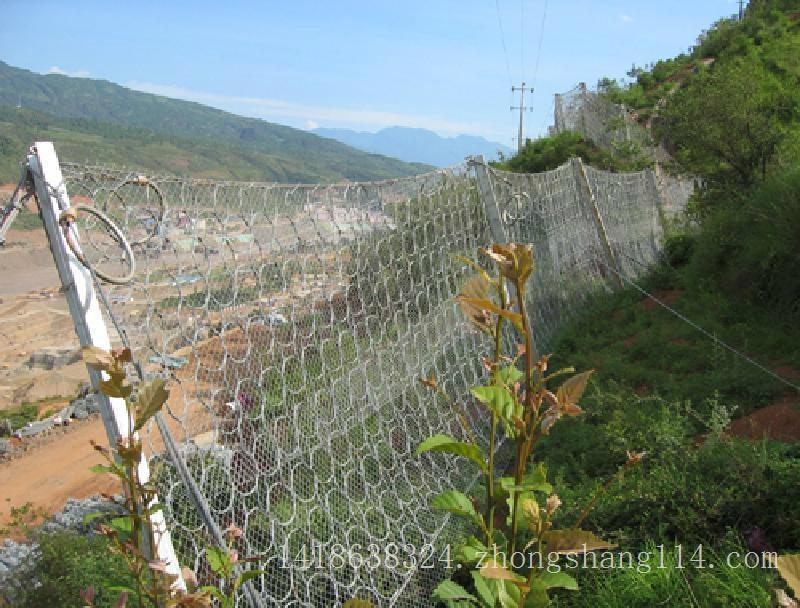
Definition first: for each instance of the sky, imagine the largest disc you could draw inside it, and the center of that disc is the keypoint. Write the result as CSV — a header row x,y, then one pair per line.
x,y
443,65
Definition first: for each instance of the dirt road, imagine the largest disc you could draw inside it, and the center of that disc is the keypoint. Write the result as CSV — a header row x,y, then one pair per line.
x,y
49,474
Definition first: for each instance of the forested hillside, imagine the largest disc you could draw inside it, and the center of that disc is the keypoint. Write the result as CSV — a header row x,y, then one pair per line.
x,y
100,121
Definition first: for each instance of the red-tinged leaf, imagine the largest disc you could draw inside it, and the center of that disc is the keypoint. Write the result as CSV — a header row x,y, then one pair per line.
x,y
87,595
97,358
574,541
483,304
429,382
550,398
571,391
572,410
548,420
475,288
492,570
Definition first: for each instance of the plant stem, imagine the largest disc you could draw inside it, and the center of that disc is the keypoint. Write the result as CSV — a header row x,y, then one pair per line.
x,y
601,490
498,336
522,455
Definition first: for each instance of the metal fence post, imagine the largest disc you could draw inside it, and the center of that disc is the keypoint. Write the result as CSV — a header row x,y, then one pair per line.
x,y
658,196
90,327
588,198
489,201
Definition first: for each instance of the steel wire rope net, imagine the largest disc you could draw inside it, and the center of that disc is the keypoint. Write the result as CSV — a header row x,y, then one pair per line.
x,y
293,322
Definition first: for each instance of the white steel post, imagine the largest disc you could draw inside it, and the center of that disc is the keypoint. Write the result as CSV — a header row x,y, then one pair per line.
x,y
84,307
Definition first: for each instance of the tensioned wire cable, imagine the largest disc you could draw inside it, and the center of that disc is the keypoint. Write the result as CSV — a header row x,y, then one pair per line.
x,y
696,326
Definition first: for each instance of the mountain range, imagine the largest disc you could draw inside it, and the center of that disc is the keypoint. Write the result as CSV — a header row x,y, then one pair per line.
x,y
102,122
417,145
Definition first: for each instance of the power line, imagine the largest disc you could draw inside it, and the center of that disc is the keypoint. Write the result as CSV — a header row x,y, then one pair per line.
x,y
503,40
541,39
522,39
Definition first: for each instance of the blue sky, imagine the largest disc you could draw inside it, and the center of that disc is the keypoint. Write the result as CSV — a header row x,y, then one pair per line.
x,y
365,65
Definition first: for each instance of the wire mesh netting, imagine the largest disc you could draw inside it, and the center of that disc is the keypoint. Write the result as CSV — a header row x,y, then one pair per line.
x,y
607,124
294,322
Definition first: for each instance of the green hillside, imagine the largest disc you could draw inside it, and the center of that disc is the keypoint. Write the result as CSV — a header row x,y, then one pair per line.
x,y
100,121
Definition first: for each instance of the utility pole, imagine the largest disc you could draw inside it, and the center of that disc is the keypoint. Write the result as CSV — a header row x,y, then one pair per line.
x,y
741,10
521,107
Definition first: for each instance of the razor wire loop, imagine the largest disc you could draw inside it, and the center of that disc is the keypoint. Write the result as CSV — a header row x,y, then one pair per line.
x,y
158,218
67,221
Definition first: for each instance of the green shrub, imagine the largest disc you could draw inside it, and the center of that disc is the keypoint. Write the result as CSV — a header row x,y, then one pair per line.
x,y
68,563
751,247
700,494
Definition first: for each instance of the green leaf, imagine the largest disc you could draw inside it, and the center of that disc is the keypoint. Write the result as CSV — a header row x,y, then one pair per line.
x,y
458,503
122,525
90,517
535,480
497,398
219,560
537,595
246,576
149,400
508,593
115,389
509,375
484,591
448,590
114,469
560,580
215,591
356,603
473,551
445,443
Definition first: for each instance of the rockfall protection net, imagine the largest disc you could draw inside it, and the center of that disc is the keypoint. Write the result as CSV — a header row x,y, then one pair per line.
x,y
294,321
609,125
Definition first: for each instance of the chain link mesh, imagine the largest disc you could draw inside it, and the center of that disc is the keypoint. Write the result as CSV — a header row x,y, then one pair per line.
x,y
293,323
608,125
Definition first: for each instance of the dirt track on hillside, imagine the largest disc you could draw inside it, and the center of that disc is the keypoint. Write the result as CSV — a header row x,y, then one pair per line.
x,y
48,474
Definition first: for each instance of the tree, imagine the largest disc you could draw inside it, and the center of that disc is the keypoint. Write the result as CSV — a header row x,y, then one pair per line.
x,y
728,122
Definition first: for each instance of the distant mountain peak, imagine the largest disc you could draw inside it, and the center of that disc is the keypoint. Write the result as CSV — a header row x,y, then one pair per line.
x,y
414,144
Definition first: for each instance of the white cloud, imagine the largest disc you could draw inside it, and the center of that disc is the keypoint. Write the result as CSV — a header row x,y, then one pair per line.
x,y
275,109
76,74
312,124
625,18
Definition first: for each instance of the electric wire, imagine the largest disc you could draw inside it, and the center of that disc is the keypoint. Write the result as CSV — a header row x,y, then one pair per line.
x,y
503,40
539,49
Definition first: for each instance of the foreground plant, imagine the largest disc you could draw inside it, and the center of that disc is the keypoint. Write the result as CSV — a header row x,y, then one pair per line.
x,y
131,534
515,541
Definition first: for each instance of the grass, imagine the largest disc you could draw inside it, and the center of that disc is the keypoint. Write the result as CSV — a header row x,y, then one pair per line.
x,y
646,348
659,383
